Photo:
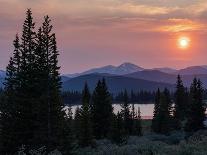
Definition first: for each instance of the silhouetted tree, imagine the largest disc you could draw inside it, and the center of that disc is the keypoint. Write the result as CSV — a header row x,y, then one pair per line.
x,y
68,142
162,117
155,120
180,104
77,123
8,106
196,113
117,133
138,123
86,137
101,110
126,114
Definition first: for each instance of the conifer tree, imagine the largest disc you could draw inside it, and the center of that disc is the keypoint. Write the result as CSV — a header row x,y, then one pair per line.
x,y
85,137
117,132
196,113
180,104
68,142
9,119
138,123
26,94
55,111
162,113
126,114
50,118
165,112
77,123
155,120
101,110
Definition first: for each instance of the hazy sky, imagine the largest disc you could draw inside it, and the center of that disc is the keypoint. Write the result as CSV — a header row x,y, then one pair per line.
x,y
93,33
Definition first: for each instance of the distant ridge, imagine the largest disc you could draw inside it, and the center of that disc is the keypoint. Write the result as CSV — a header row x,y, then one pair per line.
x,y
128,68
115,83
166,70
158,76
131,77
192,70
122,69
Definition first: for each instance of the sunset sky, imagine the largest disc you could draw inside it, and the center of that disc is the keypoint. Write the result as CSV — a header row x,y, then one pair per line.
x,y
93,33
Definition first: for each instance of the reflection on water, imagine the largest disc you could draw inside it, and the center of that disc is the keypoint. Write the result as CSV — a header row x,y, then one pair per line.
x,y
146,109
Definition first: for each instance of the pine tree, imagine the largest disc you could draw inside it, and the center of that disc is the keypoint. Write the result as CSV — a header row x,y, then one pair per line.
x,y
162,113
50,120
138,123
125,111
9,108
180,104
101,110
117,133
77,123
86,137
196,113
155,120
165,112
68,142
27,78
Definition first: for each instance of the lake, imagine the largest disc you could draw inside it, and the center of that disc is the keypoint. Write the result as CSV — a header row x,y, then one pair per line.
x,y
146,109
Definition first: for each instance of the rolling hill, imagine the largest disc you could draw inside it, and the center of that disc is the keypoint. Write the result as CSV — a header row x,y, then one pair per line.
x,y
115,83
193,70
157,76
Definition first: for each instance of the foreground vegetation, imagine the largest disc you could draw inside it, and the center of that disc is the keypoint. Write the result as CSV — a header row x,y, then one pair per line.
x,y
176,143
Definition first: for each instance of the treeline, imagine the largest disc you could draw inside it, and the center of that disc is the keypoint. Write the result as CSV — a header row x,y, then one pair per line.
x,y
186,112
74,97
141,97
71,97
136,97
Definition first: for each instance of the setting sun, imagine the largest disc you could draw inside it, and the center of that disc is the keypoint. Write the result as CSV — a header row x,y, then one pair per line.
x,y
183,42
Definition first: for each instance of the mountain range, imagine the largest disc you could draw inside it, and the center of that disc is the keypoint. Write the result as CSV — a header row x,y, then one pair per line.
x,y
122,69
131,77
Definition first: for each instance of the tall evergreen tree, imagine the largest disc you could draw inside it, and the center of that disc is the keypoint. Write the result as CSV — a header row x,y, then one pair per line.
x,y
180,104
77,123
9,119
138,123
117,133
68,142
126,114
166,111
155,120
86,137
196,113
162,117
26,94
55,113
101,110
